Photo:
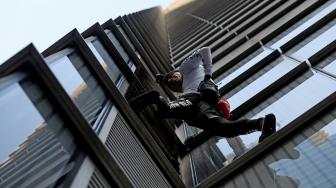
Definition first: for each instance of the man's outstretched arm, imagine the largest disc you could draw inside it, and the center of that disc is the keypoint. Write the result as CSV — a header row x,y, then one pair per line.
x,y
207,61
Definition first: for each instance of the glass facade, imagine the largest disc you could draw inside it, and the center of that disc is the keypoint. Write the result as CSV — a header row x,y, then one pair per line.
x,y
306,159
120,49
82,87
302,25
109,65
37,150
107,121
254,75
264,78
290,72
315,42
129,41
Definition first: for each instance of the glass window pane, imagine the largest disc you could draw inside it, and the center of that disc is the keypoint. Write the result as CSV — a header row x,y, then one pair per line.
x,y
296,102
302,25
307,159
110,66
129,42
315,42
265,79
117,44
36,147
121,50
243,66
81,86
126,37
331,68
326,61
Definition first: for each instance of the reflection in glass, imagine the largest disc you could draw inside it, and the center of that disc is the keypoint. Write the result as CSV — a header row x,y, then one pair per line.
x,y
331,68
300,98
36,149
126,37
302,25
296,102
14,98
120,49
262,81
329,59
307,159
315,42
243,66
129,42
110,67
81,86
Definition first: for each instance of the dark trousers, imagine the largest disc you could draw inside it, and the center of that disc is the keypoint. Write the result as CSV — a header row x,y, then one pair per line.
x,y
200,114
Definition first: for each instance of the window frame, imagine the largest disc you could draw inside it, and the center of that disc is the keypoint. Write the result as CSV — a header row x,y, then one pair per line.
x,y
29,60
75,40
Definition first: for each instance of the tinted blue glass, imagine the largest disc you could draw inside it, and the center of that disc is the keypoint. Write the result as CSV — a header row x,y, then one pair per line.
x,y
307,159
244,66
262,82
331,68
317,44
301,26
64,71
129,42
120,49
117,44
296,102
81,86
126,37
36,149
109,66
287,108
18,109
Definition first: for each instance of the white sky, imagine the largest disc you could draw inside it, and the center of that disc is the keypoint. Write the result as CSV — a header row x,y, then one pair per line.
x,y
43,22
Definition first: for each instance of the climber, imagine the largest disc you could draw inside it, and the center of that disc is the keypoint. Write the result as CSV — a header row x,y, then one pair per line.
x,y
200,104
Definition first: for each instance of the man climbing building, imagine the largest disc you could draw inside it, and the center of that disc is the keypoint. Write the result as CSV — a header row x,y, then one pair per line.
x,y
198,105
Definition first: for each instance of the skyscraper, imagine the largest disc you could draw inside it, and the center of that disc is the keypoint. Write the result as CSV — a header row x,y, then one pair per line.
x,y
66,122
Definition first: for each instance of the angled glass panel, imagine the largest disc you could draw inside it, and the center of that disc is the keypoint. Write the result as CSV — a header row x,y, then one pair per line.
x,y
330,59
37,150
109,65
126,36
78,81
129,41
302,25
315,42
283,66
112,128
120,49
307,159
296,102
243,66
298,98
331,68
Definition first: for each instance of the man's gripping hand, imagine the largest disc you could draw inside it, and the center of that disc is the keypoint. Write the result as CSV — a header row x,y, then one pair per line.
x,y
159,78
207,77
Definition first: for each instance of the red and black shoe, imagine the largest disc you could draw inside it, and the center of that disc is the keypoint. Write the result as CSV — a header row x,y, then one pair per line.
x,y
267,127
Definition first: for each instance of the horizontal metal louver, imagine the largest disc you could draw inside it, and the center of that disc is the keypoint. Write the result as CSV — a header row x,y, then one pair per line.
x,y
132,157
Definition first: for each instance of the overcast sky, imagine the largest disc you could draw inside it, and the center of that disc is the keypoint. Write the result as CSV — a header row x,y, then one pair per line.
x,y
43,22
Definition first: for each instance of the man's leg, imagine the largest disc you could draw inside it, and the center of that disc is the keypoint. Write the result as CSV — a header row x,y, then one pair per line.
x,y
229,129
180,108
140,102
212,122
